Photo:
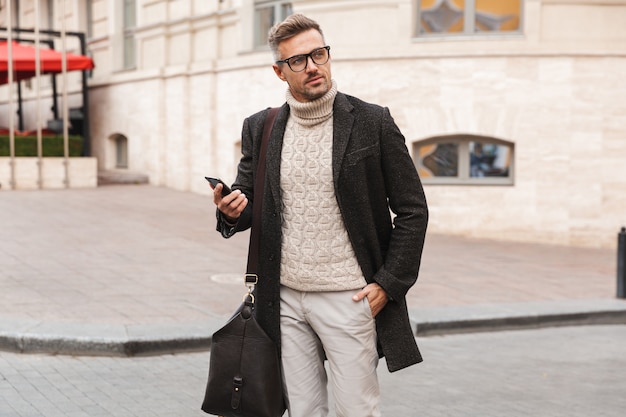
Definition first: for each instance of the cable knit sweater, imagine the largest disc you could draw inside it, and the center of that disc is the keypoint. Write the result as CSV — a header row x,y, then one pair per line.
x,y
316,251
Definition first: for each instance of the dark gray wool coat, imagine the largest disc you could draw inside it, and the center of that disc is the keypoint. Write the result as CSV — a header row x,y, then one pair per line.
x,y
372,173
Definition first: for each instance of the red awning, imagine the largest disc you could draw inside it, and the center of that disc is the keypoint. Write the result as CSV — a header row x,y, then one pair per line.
x,y
24,62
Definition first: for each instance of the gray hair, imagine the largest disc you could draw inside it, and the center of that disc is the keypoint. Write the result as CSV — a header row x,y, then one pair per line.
x,y
288,28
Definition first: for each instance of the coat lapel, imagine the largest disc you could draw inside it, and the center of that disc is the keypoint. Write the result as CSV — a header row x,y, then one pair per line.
x,y
342,126
274,150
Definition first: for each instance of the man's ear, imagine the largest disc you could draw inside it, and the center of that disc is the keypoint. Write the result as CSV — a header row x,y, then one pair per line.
x,y
279,72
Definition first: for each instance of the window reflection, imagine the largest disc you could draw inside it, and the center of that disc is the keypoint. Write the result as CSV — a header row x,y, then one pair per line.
x,y
468,17
440,160
497,15
442,15
463,158
489,160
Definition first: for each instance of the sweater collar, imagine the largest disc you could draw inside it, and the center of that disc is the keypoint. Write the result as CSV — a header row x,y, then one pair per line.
x,y
313,112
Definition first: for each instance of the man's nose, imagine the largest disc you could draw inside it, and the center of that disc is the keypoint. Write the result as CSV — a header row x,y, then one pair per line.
x,y
310,65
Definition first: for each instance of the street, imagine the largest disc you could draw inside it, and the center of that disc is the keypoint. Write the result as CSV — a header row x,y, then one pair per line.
x,y
566,371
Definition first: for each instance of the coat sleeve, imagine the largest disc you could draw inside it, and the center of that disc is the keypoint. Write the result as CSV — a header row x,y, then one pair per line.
x,y
244,182
407,202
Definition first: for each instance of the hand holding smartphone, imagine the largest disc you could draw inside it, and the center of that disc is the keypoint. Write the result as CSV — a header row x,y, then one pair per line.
x,y
214,181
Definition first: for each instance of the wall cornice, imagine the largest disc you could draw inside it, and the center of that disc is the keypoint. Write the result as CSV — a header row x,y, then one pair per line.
x,y
586,2
259,63
191,23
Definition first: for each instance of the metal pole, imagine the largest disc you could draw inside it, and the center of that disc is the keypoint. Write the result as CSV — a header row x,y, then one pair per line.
x,y
621,263
66,150
55,105
85,108
38,100
11,115
20,117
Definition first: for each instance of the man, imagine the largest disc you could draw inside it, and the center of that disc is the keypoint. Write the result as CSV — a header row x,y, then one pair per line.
x,y
334,268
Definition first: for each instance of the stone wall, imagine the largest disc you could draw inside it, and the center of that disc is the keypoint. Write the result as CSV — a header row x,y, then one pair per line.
x,y
555,91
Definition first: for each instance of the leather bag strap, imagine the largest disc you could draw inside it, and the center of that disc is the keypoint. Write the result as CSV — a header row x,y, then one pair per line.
x,y
255,233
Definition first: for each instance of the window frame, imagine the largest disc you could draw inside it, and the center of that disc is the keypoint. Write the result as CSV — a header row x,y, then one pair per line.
x,y
469,26
463,159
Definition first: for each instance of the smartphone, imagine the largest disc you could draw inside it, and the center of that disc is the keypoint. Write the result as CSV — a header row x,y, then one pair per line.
x,y
214,181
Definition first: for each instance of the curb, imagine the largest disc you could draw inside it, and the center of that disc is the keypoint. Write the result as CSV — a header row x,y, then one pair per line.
x,y
31,336
59,345
78,339
532,315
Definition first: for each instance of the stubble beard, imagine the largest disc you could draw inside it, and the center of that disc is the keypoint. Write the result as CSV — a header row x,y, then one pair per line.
x,y
317,92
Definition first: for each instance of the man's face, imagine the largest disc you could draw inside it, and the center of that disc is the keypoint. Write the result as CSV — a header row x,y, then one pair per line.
x,y
315,80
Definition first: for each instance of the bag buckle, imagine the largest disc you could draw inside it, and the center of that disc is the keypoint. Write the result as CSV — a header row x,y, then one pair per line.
x,y
250,281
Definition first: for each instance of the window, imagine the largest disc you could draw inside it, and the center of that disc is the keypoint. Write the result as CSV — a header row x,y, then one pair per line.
x,y
50,7
266,15
14,18
121,152
467,17
129,33
463,159
89,18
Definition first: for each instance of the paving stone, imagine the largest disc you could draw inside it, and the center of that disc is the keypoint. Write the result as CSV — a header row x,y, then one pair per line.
x,y
574,371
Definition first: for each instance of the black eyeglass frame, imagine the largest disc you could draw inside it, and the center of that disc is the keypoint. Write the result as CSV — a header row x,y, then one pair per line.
x,y
306,57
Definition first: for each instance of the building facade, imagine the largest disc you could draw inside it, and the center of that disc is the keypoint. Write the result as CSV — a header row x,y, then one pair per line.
x,y
513,110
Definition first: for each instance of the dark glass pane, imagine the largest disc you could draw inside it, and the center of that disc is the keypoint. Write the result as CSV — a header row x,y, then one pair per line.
x,y
264,21
121,151
489,160
286,10
129,14
266,15
439,160
129,50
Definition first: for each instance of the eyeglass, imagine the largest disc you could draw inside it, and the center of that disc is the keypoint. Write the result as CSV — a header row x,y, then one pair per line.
x,y
298,63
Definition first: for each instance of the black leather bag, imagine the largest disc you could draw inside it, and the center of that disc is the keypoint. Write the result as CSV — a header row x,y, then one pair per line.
x,y
244,370
245,377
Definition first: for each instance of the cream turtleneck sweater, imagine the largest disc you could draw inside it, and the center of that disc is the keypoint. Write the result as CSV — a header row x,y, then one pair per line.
x,y
316,251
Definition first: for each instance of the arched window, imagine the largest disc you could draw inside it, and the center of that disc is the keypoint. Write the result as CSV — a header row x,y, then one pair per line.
x,y
464,159
121,151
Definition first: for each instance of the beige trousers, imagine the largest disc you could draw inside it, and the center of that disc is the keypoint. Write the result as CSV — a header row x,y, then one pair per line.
x,y
331,324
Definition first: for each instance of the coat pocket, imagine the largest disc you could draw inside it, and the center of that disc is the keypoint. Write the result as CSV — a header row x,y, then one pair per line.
x,y
355,157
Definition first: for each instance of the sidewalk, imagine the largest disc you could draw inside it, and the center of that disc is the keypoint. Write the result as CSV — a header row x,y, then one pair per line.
x,y
136,269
